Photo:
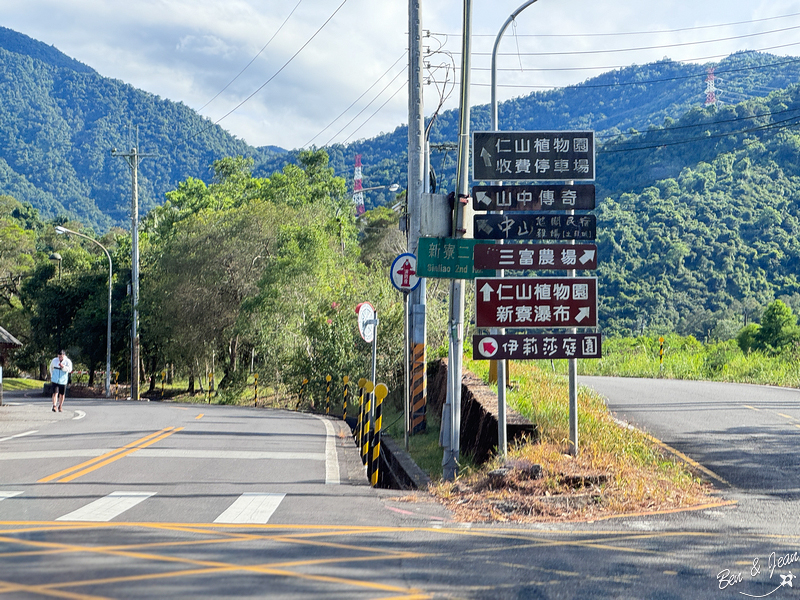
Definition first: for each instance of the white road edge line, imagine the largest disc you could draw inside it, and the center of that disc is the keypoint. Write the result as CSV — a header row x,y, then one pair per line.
x,y
19,435
6,495
331,457
108,507
251,507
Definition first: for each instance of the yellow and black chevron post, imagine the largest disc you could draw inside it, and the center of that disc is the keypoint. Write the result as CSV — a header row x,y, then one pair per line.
x,y
419,390
303,388
360,425
255,389
345,381
381,391
366,431
328,395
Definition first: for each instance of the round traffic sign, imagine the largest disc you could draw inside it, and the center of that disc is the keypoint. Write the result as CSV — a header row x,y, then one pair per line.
x,y
366,321
404,272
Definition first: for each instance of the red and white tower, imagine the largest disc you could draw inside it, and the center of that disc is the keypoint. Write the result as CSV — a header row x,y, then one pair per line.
x,y
358,195
711,90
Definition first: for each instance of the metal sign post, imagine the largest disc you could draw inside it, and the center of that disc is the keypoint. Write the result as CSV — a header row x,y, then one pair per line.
x,y
404,277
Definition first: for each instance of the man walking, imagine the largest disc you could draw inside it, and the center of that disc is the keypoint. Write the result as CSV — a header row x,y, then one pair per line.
x,y
60,368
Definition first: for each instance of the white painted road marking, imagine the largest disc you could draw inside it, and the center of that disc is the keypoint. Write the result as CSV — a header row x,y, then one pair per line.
x,y
251,508
331,458
19,435
108,507
79,414
4,495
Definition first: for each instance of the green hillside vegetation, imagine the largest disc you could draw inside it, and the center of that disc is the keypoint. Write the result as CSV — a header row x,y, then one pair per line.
x,y
61,119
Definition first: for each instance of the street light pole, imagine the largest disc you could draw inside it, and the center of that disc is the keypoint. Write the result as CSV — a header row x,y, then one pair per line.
x,y
64,230
502,365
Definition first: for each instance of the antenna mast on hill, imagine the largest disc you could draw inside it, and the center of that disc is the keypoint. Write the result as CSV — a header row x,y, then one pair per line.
x,y
711,90
358,195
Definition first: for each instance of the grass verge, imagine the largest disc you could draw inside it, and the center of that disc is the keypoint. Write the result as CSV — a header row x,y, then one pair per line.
x,y
13,384
618,470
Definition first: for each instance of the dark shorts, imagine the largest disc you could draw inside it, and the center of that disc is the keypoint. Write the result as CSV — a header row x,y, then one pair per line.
x,y
61,388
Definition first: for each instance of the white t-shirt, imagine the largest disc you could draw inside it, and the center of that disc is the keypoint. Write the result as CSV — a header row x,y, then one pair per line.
x,y
60,370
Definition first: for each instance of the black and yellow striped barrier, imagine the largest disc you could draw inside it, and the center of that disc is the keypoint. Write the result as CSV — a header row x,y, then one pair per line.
x,y
381,391
360,424
366,429
328,395
255,389
303,388
345,392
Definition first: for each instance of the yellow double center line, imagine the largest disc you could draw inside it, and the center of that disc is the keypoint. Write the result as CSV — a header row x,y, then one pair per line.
x,y
109,457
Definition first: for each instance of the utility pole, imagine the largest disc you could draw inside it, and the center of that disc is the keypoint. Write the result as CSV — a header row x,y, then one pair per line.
x,y
461,218
134,158
417,176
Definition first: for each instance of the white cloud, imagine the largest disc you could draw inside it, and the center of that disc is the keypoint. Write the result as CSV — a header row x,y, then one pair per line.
x,y
188,50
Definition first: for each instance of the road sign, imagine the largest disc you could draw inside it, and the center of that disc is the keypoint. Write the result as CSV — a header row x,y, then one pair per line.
x,y
558,257
536,346
533,155
534,197
404,272
448,258
527,226
366,321
528,302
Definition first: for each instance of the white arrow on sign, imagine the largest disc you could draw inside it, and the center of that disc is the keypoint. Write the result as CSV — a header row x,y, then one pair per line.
x,y
484,226
483,198
487,290
588,255
487,158
583,313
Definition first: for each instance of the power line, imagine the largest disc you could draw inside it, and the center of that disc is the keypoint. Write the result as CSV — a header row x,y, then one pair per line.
x,y
355,101
380,108
254,58
365,108
628,33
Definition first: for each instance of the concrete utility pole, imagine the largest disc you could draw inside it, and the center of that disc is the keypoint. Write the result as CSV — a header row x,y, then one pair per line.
x,y
461,218
417,178
134,158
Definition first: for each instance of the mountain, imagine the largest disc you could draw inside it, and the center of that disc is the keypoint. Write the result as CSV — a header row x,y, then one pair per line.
x,y
60,120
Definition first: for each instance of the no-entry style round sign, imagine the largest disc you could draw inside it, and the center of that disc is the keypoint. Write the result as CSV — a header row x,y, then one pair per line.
x,y
404,272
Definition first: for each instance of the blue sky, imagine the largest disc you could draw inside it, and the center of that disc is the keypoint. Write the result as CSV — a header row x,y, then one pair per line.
x,y
190,50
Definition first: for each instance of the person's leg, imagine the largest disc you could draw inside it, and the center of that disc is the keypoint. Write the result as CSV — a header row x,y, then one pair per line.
x,y
61,399
55,395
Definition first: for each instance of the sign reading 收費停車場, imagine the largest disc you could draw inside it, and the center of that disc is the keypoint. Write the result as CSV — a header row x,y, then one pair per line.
x,y
448,258
527,302
540,197
533,155
530,226
536,346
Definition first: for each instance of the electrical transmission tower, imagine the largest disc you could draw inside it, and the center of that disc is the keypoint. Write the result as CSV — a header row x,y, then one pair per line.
x,y
711,89
358,195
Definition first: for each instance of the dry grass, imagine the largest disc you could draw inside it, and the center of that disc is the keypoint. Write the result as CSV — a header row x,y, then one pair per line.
x,y
618,470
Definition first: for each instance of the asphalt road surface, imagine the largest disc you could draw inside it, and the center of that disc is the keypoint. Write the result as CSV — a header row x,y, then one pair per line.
x,y
158,500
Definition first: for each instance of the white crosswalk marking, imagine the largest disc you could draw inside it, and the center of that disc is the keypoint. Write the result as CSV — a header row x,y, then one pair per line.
x,y
4,495
108,507
251,508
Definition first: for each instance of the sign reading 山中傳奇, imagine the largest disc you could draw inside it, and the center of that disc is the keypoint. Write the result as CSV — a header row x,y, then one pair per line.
x,y
533,155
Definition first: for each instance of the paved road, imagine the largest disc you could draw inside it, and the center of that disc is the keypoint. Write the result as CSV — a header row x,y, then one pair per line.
x,y
152,500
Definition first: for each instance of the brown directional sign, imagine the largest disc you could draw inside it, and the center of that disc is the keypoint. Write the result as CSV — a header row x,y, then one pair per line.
x,y
536,346
533,155
528,302
531,226
552,257
533,197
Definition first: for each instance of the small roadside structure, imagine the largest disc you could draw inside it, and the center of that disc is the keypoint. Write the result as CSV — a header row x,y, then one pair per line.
x,y
7,342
